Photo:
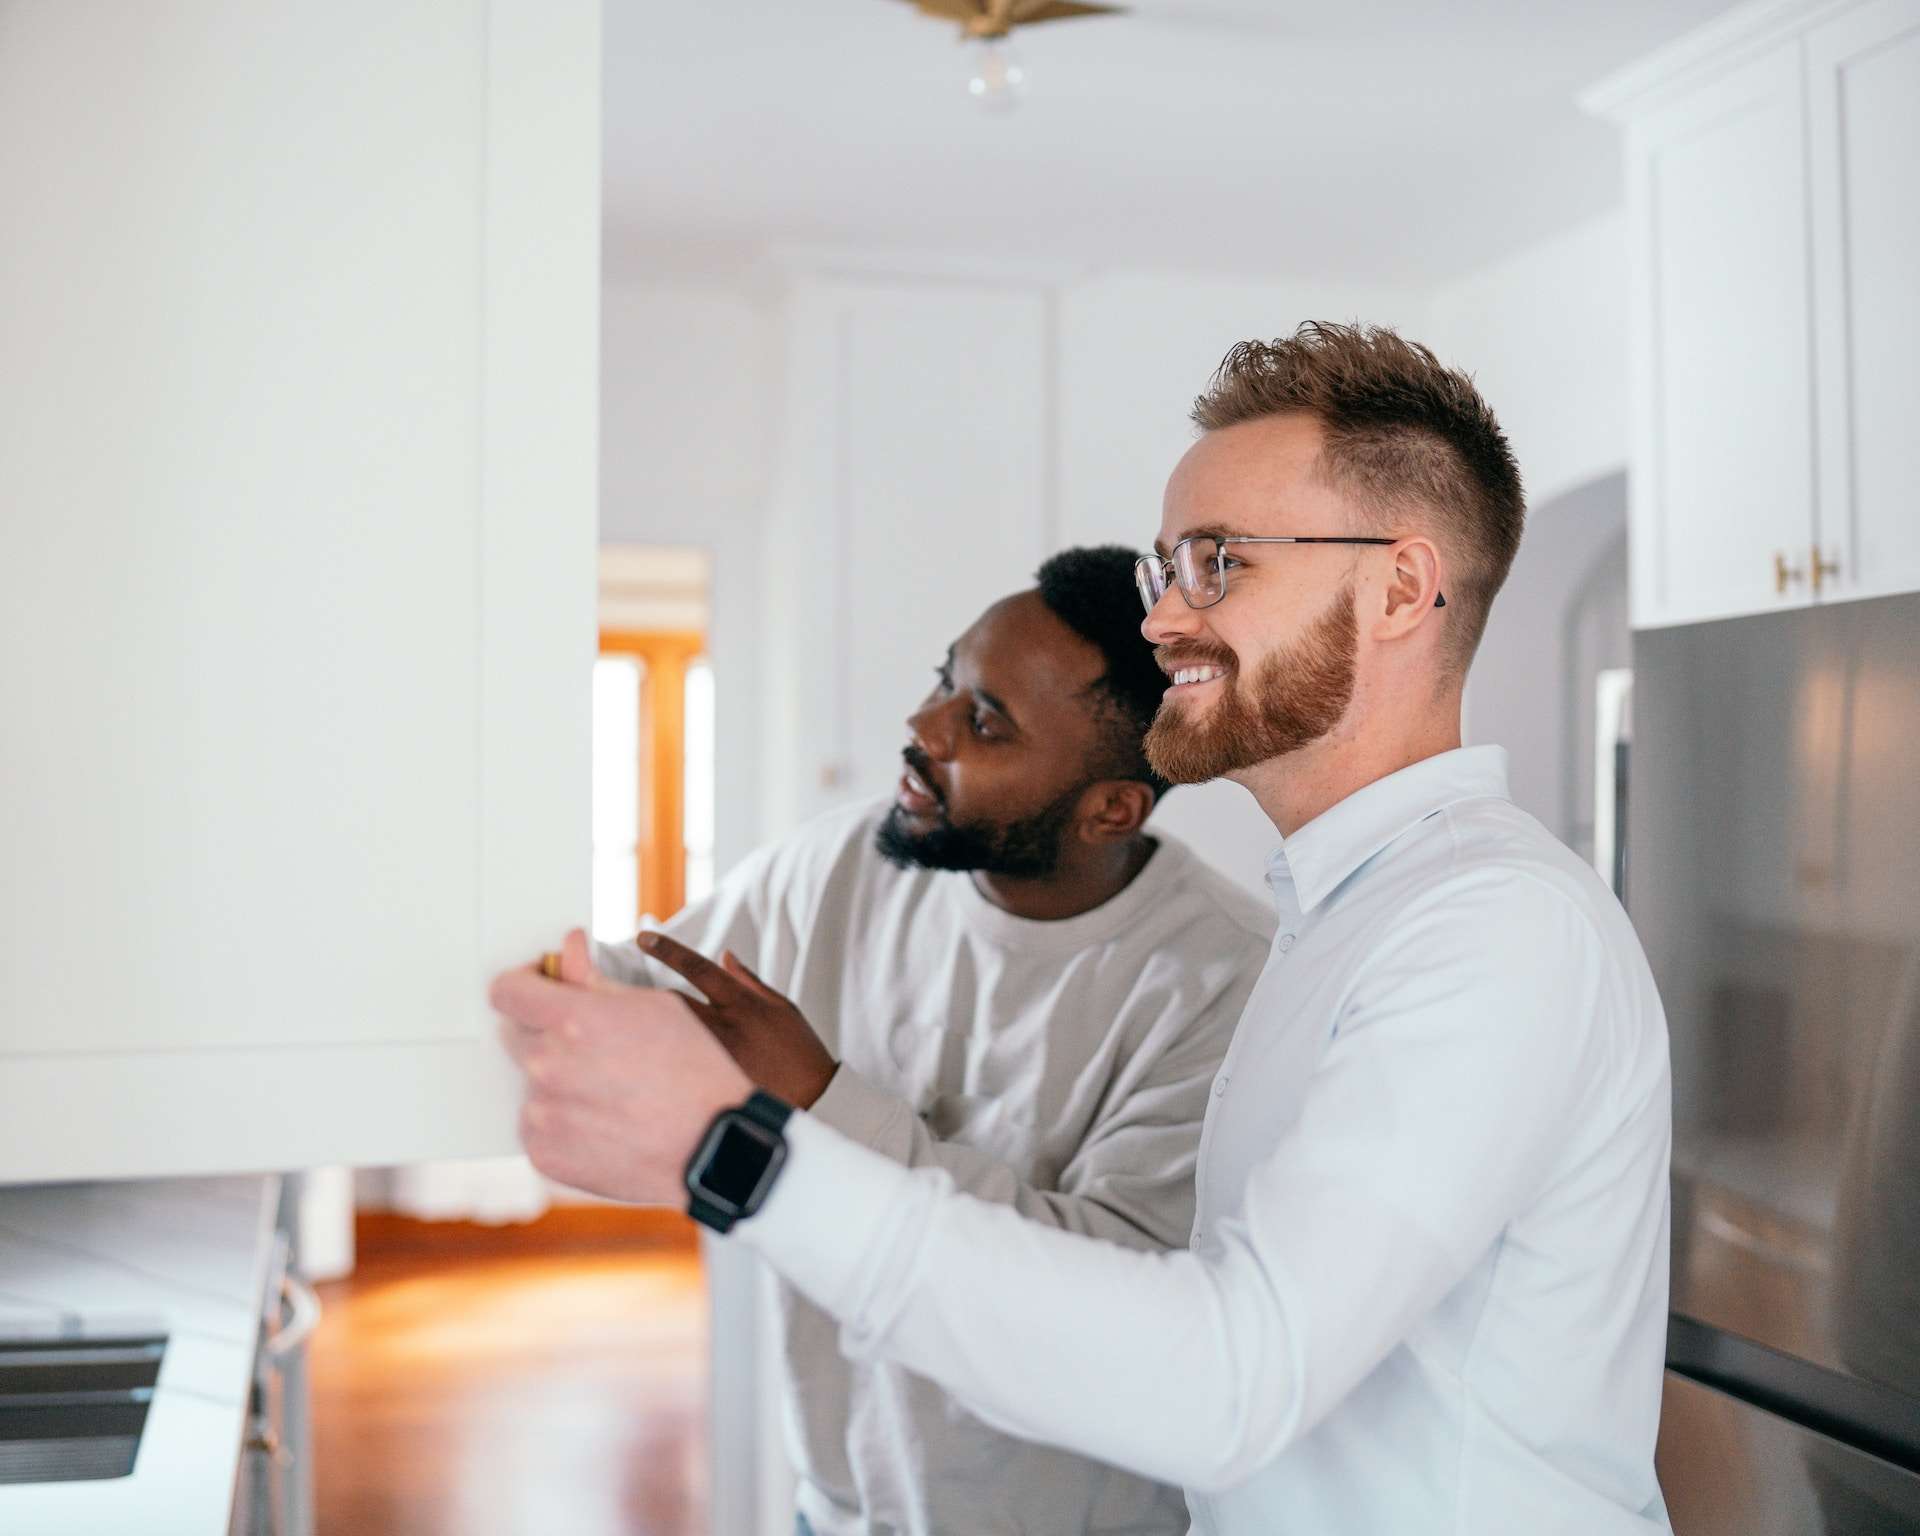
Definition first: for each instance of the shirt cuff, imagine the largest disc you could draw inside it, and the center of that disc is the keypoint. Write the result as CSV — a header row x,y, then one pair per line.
x,y
832,1213
856,1108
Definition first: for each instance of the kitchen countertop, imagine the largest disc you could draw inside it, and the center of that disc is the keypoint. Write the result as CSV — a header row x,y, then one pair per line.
x,y
192,1254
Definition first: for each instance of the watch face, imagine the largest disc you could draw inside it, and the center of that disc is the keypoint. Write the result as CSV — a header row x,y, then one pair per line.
x,y
737,1163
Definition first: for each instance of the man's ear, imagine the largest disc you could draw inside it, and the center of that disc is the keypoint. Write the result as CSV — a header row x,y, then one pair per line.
x,y
1114,809
1413,589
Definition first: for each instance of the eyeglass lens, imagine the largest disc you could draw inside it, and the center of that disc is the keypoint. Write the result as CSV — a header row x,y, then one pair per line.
x,y
1196,566
1149,575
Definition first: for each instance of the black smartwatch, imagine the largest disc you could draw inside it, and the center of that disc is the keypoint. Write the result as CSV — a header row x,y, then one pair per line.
x,y
737,1161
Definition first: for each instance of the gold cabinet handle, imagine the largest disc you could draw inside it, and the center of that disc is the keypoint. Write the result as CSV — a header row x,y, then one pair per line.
x,y
1784,573
1822,569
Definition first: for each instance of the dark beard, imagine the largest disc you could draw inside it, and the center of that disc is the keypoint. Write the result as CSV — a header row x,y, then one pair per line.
x,y
1019,850
1297,697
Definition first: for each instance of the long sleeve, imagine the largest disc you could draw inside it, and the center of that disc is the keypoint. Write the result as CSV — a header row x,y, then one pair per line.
x,y
1131,1178
1452,1080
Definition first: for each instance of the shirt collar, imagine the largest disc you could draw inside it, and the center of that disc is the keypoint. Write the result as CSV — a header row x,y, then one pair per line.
x,y
1323,853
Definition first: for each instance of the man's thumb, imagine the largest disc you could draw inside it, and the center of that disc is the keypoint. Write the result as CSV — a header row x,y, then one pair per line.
x,y
576,963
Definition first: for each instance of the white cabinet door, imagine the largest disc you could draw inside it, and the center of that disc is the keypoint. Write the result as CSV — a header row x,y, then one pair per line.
x,y
915,493
1863,71
1723,479
297,467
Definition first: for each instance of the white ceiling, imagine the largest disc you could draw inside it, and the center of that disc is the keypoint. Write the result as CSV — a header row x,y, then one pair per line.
x,y
1398,141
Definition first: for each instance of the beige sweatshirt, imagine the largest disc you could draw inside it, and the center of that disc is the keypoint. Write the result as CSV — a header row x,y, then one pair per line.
x,y
1062,1068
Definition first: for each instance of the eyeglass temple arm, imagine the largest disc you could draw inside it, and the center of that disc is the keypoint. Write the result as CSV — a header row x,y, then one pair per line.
x,y
1439,598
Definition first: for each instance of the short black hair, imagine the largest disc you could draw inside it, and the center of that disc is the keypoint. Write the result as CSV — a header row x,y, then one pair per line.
x,y
1091,590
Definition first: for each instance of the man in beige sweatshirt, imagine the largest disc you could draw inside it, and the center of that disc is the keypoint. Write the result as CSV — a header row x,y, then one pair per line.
x,y
1003,974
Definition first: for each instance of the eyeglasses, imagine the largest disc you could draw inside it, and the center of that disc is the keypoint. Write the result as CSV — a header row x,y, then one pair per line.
x,y
1199,565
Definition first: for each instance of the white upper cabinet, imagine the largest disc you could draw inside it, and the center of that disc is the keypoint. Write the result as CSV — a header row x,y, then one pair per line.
x,y
297,456
1775,213
1863,81
1725,480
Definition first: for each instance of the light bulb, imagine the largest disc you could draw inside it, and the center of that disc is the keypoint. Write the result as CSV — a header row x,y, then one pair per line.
x,y
995,76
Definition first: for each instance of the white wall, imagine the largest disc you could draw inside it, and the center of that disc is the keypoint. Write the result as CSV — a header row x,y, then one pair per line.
x,y
686,397
1561,620
1544,333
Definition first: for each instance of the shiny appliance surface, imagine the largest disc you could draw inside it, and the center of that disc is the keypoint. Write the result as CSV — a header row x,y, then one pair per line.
x,y
1773,873
1730,1469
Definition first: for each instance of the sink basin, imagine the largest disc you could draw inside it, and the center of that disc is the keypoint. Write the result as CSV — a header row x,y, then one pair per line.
x,y
72,1408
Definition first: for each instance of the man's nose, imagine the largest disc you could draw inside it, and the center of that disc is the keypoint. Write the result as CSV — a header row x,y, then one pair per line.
x,y
931,727
1170,618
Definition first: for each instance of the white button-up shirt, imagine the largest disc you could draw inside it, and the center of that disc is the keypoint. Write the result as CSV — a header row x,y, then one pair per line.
x,y
1427,1289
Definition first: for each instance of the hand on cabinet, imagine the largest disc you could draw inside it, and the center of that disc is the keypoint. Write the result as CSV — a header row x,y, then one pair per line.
x,y
620,1081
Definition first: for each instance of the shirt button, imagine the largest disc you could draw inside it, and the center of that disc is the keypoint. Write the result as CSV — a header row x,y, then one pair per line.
x,y
1220,1087
1286,942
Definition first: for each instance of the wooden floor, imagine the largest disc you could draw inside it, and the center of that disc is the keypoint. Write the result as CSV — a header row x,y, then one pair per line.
x,y
547,1379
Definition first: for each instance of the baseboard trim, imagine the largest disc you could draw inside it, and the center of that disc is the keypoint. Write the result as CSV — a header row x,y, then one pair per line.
x,y
561,1229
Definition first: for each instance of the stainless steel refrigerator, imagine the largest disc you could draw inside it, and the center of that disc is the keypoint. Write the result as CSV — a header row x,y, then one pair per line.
x,y
1772,868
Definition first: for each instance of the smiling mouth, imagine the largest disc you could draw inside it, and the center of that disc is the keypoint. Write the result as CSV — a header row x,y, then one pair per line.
x,y
1189,677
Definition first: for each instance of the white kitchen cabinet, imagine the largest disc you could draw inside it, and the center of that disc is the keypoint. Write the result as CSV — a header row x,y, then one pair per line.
x,y
914,492
1774,204
298,408
1723,480
1863,78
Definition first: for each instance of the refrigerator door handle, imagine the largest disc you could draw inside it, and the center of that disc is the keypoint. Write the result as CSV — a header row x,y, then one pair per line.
x,y
1881,1421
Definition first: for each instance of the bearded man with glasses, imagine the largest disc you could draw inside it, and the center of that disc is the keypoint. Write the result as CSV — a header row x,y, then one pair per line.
x,y
1427,1284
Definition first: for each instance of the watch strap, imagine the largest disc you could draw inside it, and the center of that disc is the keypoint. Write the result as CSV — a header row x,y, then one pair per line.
x,y
709,1214
765,1109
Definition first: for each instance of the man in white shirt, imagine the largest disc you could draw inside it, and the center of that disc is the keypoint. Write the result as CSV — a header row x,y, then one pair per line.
x,y
1011,981
1427,1284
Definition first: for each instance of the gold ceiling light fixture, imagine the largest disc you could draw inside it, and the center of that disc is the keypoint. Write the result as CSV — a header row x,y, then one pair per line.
x,y
988,19
995,75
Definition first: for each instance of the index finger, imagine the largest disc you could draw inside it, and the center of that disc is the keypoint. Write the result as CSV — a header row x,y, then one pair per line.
x,y
528,998
690,963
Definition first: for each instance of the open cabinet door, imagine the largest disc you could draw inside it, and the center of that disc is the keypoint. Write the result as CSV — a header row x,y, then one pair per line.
x,y
298,452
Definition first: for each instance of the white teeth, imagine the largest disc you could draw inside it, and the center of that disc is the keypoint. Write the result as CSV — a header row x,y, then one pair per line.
x,y
1197,674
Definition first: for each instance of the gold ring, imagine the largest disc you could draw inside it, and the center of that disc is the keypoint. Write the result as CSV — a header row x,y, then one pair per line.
x,y
550,965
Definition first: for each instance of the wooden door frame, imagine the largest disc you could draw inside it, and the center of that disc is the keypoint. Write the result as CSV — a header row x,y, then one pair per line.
x,y
666,655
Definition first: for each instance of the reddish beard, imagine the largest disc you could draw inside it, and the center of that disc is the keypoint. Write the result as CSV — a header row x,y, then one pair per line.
x,y
1296,697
